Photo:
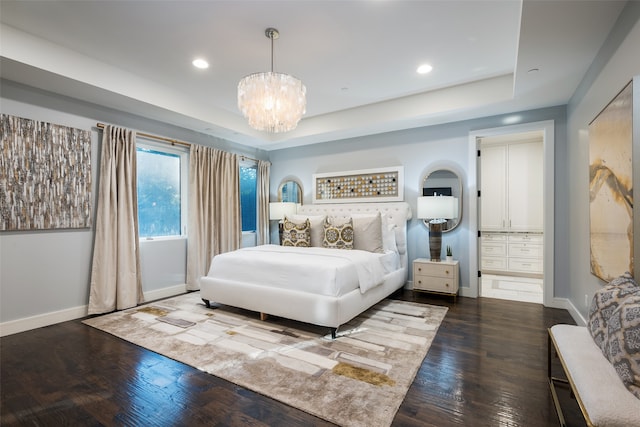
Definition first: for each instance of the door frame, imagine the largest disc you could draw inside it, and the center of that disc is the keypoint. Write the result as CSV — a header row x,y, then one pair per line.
x,y
547,127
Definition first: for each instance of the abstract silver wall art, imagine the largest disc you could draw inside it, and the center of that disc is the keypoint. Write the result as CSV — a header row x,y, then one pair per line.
x,y
610,187
45,175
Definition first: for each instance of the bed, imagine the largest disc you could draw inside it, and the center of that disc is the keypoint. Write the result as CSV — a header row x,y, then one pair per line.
x,y
325,287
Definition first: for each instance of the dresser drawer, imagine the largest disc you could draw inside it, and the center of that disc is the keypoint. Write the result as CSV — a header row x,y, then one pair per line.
x,y
525,265
494,237
489,263
525,238
525,250
435,284
493,249
435,269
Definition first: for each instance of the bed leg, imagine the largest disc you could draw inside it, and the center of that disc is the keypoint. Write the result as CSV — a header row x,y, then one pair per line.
x,y
207,302
333,333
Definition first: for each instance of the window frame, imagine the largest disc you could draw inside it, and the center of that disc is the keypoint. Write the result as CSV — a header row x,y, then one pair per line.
x,y
183,153
246,163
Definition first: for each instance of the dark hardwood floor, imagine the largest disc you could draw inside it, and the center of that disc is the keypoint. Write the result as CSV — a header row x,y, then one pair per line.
x,y
486,367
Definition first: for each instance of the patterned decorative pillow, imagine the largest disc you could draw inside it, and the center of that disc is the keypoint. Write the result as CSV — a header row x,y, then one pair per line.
x,y
338,236
623,343
294,234
605,302
316,227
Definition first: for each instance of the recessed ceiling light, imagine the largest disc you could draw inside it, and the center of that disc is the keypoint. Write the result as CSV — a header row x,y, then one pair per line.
x,y
424,69
200,63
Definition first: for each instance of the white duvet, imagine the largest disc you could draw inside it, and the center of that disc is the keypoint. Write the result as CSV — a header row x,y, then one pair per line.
x,y
330,272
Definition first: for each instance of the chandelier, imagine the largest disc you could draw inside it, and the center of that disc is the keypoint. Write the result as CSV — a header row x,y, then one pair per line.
x,y
272,102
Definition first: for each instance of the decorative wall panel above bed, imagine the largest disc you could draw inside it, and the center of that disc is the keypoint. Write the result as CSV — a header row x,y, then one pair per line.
x,y
365,185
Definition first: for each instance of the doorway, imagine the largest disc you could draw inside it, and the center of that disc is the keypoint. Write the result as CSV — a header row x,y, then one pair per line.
x,y
512,226
511,210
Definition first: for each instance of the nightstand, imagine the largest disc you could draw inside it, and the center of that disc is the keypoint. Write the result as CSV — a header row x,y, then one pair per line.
x,y
433,276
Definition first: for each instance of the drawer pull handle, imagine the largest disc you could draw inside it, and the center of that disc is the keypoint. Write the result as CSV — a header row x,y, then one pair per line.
x,y
447,285
446,272
419,269
420,282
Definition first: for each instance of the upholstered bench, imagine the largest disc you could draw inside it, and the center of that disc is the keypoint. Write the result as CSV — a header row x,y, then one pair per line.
x,y
602,396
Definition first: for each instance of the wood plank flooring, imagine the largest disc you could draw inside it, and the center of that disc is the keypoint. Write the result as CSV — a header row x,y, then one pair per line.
x,y
486,367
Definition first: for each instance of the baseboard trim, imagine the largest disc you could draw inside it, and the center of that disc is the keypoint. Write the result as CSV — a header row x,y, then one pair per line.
x,y
38,321
573,311
171,291
41,320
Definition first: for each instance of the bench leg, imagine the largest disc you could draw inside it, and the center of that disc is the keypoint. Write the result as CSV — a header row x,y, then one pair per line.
x,y
553,380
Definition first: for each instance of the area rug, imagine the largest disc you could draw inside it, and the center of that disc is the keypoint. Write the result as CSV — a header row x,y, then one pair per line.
x,y
358,379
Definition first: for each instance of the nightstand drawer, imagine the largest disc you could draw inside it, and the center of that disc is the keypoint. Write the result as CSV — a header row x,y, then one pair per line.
x,y
435,276
435,284
435,269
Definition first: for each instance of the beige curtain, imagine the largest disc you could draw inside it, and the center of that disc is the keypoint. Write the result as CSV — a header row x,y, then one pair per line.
x,y
262,220
214,209
115,272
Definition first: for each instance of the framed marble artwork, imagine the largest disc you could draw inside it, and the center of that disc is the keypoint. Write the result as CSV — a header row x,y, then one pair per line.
x,y
611,188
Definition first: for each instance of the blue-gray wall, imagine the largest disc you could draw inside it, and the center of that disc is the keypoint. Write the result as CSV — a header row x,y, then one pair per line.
x,y
616,64
45,275
421,151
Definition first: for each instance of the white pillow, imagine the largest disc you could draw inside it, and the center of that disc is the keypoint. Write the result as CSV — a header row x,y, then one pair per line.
x,y
317,227
388,234
367,231
389,238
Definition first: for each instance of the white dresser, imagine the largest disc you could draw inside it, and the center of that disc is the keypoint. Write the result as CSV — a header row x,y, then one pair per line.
x,y
435,276
512,253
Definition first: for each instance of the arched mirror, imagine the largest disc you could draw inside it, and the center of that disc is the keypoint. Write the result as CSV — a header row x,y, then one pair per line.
x,y
445,186
290,191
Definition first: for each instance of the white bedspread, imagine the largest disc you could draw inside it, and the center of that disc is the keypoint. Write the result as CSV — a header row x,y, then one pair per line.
x,y
331,272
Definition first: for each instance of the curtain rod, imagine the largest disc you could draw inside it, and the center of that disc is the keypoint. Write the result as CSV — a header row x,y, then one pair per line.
x,y
171,141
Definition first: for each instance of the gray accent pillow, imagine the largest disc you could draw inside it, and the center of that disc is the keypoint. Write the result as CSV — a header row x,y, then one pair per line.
x,y
623,343
605,301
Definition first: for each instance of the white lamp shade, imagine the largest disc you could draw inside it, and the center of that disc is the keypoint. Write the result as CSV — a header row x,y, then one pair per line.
x,y
437,207
278,210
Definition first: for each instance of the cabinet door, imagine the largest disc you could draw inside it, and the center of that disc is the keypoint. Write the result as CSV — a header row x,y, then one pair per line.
x,y
493,160
525,186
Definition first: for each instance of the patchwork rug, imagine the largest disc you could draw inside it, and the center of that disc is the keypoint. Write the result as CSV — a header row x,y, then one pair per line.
x,y
358,379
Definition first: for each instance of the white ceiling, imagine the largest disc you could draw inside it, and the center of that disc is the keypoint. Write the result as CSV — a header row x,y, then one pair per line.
x,y
357,58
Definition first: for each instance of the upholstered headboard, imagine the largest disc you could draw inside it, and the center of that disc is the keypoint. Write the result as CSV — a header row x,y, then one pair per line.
x,y
397,213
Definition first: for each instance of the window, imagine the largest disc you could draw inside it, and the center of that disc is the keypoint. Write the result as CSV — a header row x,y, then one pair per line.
x,y
248,197
161,190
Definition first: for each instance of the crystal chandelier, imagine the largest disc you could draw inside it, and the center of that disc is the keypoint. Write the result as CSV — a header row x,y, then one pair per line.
x,y
272,102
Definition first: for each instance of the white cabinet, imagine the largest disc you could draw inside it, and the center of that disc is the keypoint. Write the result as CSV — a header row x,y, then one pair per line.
x,y
511,253
493,191
435,276
511,186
